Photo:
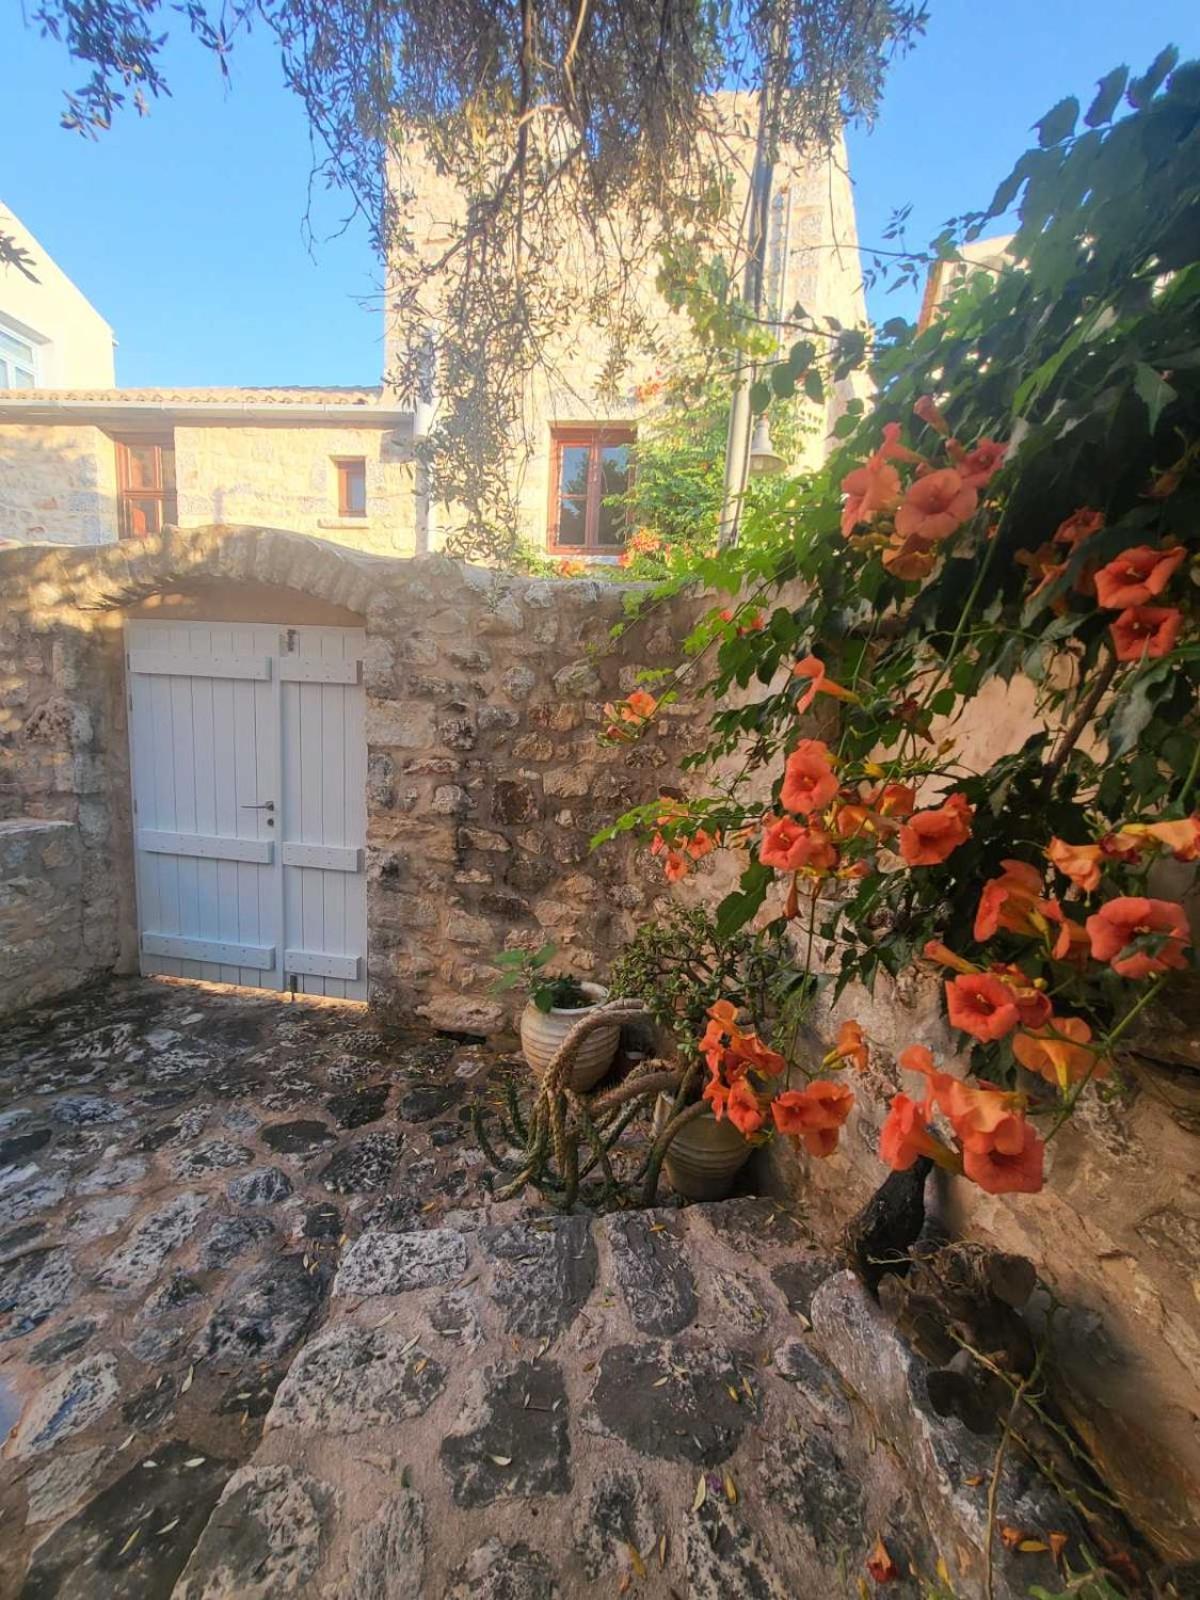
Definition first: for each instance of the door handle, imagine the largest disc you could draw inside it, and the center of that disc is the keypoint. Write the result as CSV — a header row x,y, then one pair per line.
x,y
267,805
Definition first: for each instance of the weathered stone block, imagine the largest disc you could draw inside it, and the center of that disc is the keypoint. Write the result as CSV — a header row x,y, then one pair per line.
x,y
515,801
571,783
512,1439
497,719
534,747
462,928
450,800
463,1014
350,1378
392,1263
402,725
577,681
483,839
542,1276
554,715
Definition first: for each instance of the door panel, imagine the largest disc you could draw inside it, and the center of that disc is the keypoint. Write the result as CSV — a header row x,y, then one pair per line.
x,y
245,739
323,827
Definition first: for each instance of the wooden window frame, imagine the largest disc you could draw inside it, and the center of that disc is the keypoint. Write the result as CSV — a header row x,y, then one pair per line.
x,y
130,494
340,464
596,438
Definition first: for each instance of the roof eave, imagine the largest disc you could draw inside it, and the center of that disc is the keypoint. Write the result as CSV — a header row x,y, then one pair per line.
x,y
108,414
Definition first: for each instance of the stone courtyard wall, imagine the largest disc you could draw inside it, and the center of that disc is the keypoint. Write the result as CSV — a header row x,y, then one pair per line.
x,y
485,784
485,779
41,931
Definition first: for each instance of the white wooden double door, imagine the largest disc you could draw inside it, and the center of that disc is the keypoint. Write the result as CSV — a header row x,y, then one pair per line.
x,y
248,755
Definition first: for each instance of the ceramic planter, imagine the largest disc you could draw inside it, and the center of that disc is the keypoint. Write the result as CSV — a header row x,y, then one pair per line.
x,y
705,1156
542,1032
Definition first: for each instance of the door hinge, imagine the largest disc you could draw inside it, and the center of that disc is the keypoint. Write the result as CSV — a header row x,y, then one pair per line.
x,y
289,642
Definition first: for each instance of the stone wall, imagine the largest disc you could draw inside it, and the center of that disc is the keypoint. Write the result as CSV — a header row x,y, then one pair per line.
x,y
57,485
485,783
41,926
285,476
61,717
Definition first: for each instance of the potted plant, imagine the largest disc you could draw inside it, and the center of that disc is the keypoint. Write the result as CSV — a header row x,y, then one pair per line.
x,y
688,970
557,1002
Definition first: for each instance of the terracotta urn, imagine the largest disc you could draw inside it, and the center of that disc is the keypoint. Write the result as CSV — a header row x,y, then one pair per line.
x,y
542,1032
705,1156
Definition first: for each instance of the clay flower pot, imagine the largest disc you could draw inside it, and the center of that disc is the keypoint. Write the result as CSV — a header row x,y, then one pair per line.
x,y
542,1032
704,1157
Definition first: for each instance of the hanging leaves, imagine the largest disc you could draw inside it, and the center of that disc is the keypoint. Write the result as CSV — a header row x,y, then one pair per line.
x,y
1058,123
1108,97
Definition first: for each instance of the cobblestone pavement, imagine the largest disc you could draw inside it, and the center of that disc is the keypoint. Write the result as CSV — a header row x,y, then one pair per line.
x,y
264,1333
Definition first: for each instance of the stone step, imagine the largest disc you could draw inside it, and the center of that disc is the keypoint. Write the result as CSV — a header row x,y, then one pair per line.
x,y
690,1403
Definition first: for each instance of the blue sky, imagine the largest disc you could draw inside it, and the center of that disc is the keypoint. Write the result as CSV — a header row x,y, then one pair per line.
x,y
185,227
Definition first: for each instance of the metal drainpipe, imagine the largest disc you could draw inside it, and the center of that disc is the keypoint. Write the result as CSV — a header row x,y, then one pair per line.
x,y
737,444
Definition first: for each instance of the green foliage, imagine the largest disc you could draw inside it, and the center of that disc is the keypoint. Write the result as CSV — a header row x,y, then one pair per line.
x,y
521,969
681,963
1083,356
674,500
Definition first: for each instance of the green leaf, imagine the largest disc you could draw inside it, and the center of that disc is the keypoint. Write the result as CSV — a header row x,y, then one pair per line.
x,y
760,396
801,356
1058,123
943,702
783,381
1135,708
737,908
1142,90
1008,188
1108,97
1153,390
814,388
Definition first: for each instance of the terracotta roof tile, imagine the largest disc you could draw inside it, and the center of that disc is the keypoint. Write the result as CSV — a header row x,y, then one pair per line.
x,y
281,395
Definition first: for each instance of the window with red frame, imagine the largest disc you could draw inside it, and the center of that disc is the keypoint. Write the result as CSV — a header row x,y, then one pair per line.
x,y
146,500
589,466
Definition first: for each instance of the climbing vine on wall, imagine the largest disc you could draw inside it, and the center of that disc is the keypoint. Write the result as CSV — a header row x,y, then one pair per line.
x,y
1023,500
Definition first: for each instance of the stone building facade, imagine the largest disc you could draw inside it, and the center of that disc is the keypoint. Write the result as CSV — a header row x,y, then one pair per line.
x,y
272,456
278,456
812,261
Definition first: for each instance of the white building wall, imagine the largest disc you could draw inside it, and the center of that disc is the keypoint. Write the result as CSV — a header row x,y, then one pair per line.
x,y
73,343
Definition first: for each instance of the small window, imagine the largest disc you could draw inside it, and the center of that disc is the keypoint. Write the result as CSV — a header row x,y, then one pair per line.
x,y
589,467
146,495
352,486
18,360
